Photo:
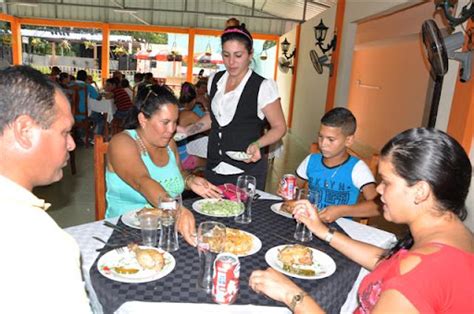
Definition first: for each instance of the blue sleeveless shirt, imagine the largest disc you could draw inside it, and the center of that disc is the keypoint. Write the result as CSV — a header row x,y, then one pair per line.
x,y
334,185
122,198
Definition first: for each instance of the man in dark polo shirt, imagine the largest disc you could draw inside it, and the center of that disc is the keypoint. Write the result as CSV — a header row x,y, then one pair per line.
x,y
119,95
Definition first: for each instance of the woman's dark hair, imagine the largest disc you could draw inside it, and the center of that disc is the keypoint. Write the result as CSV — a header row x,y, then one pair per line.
x,y
188,94
239,33
149,100
124,83
81,75
430,155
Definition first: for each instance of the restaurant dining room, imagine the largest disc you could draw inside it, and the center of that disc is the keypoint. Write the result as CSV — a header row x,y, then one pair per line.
x,y
279,156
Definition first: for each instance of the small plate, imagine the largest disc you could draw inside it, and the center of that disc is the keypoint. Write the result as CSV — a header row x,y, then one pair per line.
x,y
179,136
127,259
323,264
219,212
239,156
276,208
130,219
256,245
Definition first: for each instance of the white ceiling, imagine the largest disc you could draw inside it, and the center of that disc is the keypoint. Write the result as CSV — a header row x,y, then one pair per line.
x,y
262,16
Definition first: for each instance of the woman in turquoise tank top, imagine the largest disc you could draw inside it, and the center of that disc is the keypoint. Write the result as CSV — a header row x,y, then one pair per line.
x,y
143,162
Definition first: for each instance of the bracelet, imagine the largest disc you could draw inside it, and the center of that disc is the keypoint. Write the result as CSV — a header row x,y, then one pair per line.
x,y
257,143
329,235
187,179
297,299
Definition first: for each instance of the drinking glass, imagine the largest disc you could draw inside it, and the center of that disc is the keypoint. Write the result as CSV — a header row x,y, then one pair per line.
x,y
210,242
149,224
302,233
170,207
246,186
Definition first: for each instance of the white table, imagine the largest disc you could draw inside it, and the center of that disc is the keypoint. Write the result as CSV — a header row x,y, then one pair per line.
x,y
84,233
103,106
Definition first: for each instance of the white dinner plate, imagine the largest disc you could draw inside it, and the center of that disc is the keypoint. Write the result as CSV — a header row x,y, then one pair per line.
x,y
127,259
276,208
239,156
323,264
256,245
179,136
130,219
198,207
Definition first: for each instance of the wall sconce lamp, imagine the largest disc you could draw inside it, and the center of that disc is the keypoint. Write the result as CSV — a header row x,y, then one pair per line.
x,y
320,32
285,63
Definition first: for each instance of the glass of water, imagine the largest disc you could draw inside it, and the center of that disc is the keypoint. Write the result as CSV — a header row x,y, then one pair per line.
x,y
302,233
170,208
246,186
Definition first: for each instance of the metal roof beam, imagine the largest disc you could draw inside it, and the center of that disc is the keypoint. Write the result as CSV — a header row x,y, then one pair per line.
x,y
268,17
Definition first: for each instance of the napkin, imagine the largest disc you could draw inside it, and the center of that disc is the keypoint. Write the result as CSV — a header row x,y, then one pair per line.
x,y
226,169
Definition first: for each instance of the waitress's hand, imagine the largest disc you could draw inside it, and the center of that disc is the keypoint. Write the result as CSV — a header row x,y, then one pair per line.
x,y
254,151
203,188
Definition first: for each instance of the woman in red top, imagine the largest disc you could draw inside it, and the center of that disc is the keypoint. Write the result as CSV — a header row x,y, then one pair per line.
x,y
425,181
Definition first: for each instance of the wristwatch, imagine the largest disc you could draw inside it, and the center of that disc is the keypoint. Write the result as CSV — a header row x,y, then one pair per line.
x,y
329,235
297,299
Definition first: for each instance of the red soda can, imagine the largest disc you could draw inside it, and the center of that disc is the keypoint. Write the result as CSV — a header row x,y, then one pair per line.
x,y
225,280
288,186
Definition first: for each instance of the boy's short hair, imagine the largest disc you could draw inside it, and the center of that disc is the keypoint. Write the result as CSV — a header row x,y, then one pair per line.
x,y
340,118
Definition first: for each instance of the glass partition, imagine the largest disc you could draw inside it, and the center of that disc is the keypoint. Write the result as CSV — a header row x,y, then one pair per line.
x,y
6,54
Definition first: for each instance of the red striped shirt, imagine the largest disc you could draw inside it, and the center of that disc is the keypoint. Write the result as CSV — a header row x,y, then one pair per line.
x,y
121,99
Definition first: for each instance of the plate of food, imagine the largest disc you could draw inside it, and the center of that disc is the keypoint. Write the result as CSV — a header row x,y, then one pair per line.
x,y
179,136
131,218
215,207
284,209
300,261
241,243
239,156
136,264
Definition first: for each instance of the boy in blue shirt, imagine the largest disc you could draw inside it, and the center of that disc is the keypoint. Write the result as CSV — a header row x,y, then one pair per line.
x,y
337,176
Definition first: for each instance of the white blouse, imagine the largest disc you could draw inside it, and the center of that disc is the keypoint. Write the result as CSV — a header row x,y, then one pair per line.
x,y
224,104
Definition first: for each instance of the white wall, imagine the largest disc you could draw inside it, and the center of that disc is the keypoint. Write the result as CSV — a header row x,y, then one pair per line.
x,y
284,79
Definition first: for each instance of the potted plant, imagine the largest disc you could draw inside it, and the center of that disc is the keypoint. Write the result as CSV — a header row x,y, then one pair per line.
x,y
89,44
120,51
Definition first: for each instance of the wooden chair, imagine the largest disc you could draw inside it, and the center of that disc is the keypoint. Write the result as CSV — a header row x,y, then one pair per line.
x,y
100,151
84,122
371,159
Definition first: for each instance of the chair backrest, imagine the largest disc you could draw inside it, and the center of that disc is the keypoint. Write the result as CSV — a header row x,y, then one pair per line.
x,y
100,151
77,100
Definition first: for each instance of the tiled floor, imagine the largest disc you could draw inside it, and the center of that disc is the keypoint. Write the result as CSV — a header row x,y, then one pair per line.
x,y
73,197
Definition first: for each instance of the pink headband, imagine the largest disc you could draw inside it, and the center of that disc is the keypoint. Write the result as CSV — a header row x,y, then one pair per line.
x,y
236,30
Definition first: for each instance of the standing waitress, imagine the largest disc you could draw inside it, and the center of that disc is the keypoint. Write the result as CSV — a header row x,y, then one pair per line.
x,y
241,100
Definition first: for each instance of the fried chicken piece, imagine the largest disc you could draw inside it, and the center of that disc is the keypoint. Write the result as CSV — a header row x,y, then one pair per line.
x,y
288,206
148,258
150,211
296,255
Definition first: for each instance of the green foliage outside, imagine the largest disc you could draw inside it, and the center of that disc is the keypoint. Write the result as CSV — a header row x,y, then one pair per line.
x,y
152,38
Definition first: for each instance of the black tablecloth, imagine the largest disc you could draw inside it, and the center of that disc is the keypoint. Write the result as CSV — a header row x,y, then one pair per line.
x,y
180,285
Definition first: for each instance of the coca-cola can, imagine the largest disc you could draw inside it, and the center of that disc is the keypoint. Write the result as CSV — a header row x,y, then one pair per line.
x,y
288,186
225,280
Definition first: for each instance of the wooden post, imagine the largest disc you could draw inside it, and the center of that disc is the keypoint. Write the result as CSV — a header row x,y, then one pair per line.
x,y
105,52
16,41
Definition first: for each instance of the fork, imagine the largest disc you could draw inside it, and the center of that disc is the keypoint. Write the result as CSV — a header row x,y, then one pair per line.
x,y
121,230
